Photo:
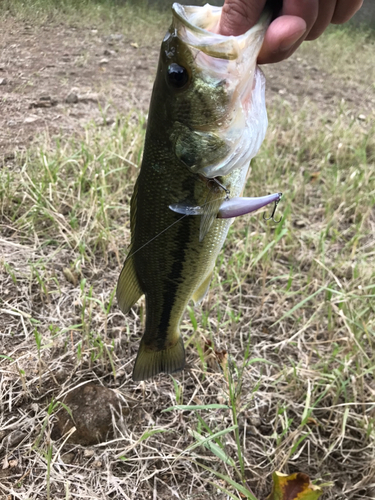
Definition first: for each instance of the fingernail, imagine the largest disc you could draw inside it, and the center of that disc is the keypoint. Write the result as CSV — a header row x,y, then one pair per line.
x,y
288,43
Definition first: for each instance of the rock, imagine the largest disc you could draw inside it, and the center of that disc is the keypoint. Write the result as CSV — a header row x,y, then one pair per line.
x,y
88,98
14,439
71,98
3,81
360,117
44,102
105,122
68,458
88,453
31,119
104,61
115,38
91,407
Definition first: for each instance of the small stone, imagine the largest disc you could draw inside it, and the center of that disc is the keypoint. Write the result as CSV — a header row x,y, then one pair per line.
x,y
31,119
71,98
134,45
89,98
45,101
15,438
68,458
115,38
3,81
362,117
89,453
103,61
105,122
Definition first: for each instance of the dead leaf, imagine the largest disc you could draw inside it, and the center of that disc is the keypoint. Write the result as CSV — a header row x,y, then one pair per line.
x,y
314,176
212,356
296,486
71,277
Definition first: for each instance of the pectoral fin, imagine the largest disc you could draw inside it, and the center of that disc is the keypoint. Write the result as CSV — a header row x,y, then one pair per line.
x,y
128,287
210,211
202,289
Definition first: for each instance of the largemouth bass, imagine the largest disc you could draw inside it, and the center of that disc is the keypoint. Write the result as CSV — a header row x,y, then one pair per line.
x,y
207,119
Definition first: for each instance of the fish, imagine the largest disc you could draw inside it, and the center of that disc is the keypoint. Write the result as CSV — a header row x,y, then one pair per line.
x,y
207,120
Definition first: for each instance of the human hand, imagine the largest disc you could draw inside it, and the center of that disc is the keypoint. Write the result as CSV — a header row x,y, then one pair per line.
x,y
298,20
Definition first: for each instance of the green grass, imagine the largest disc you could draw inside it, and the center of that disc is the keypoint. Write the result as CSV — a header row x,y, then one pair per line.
x,y
107,15
293,304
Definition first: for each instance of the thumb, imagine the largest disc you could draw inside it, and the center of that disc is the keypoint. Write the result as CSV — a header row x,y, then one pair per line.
x,y
238,16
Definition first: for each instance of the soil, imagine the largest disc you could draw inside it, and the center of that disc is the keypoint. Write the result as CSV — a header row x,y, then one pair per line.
x,y
55,79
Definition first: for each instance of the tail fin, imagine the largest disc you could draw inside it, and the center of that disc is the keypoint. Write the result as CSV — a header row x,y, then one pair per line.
x,y
150,362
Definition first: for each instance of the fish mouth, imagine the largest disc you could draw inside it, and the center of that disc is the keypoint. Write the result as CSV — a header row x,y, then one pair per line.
x,y
198,26
230,61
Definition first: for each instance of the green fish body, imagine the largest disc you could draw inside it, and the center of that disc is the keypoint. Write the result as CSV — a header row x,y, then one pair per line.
x,y
203,128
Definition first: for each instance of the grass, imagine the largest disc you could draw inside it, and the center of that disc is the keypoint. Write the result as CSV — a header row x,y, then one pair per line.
x,y
283,346
108,15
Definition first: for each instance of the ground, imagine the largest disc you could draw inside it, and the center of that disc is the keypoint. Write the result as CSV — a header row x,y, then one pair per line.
x,y
292,304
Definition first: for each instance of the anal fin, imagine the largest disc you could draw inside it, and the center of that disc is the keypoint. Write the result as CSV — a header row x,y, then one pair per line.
x,y
202,289
151,362
128,288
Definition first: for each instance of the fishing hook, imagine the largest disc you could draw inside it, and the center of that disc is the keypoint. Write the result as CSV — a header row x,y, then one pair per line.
x,y
273,213
226,190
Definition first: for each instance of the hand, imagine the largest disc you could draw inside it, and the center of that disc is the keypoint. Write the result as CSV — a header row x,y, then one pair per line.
x,y
298,20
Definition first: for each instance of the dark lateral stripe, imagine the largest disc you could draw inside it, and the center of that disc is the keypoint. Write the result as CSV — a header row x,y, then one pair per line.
x,y
174,278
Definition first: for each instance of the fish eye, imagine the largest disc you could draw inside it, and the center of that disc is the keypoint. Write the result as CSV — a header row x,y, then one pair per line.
x,y
178,76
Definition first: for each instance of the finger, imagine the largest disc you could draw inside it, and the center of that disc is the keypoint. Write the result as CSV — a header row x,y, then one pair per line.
x,y
282,38
238,16
345,9
326,10
287,32
306,9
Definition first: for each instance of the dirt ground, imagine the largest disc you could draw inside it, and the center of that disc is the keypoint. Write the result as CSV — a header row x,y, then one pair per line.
x,y
56,79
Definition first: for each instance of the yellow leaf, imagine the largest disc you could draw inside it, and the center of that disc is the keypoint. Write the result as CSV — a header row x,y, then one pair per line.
x,y
297,486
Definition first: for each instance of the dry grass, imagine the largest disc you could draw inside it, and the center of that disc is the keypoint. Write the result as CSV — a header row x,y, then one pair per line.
x,y
293,304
